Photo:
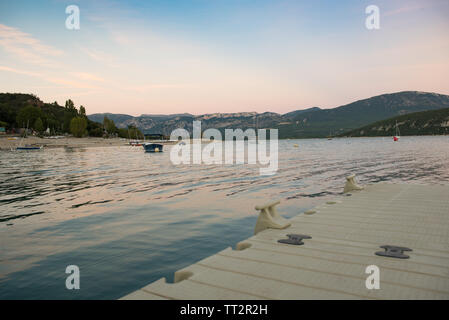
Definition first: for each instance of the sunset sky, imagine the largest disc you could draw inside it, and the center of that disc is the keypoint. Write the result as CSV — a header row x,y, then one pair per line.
x,y
205,56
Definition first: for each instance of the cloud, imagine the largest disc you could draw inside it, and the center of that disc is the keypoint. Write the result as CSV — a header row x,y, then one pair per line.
x,y
410,7
148,87
70,83
100,56
87,76
23,45
32,74
73,84
95,54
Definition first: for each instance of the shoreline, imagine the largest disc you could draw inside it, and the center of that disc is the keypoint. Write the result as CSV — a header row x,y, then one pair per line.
x,y
8,142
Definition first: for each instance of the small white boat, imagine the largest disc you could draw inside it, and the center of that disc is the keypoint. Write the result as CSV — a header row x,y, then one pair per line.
x,y
398,134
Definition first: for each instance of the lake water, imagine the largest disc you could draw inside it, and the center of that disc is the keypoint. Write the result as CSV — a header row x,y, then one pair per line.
x,y
127,218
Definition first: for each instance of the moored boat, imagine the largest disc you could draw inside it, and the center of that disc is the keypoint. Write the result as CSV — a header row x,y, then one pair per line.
x,y
135,143
398,134
153,147
29,148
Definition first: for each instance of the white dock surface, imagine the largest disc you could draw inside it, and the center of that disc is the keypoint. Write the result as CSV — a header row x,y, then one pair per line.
x,y
331,265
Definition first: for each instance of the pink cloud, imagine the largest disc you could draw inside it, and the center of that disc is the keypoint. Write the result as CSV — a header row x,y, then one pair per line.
x,y
413,7
87,76
23,45
8,69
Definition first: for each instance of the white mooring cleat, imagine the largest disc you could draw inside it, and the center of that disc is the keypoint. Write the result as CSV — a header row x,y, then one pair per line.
x,y
351,184
269,218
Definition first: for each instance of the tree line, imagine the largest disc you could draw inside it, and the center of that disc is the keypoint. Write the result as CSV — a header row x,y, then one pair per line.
x,y
28,112
111,130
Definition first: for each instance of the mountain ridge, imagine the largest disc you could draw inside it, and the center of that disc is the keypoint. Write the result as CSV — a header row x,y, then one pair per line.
x,y
431,122
307,123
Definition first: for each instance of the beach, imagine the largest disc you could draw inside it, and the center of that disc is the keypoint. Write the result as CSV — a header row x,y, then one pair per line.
x,y
8,142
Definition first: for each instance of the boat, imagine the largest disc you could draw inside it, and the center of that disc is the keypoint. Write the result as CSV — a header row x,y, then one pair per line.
x,y
153,147
397,134
135,143
29,148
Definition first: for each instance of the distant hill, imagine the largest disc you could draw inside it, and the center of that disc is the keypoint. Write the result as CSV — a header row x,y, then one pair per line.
x,y
116,117
363,112
433,122
308,123
297,112
53,116
165,124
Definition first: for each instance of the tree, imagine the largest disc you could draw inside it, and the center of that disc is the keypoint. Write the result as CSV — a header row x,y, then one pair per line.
x,y
70,105
123,133
109,126
94,129
78,126
8,115
28,115
96,132
82,111
52,123
134,133
38,125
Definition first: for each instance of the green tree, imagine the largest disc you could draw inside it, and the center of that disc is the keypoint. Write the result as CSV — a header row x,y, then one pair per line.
x,y
78,126
109,126
38,125
70,105
28,116
134,133
53,124
96,132
123,133
8,115
82,111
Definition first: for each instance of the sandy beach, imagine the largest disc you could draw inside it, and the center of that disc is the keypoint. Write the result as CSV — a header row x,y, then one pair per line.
x,y
8,142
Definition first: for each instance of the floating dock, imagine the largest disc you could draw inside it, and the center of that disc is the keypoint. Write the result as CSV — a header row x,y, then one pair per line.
x,y
401,229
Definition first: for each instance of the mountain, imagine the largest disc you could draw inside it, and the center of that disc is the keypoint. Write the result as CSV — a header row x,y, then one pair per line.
x,y
363,112
433,122
308,123
296,112
116,117
165,124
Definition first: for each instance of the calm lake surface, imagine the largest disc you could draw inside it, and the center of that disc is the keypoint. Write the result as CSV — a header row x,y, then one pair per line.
x,y
127,218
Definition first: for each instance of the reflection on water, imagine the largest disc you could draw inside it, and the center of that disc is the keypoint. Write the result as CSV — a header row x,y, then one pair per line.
x,y
127,218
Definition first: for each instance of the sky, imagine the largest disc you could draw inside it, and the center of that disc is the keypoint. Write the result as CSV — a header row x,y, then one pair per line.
x,y
207,56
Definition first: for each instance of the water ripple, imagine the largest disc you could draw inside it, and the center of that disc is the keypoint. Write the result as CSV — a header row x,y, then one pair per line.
x,y
93,207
